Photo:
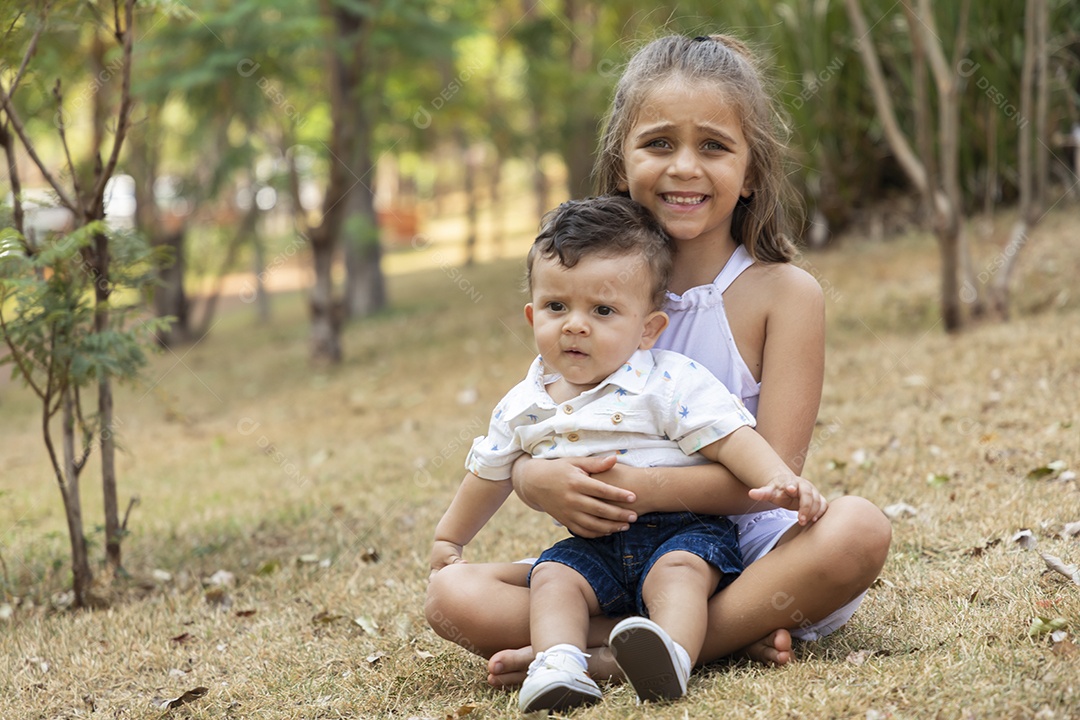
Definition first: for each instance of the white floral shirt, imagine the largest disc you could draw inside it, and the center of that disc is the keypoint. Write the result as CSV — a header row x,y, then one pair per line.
x,y
657,410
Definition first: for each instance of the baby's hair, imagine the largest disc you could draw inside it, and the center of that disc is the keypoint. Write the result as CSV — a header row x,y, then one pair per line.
x,y
608,226
758,222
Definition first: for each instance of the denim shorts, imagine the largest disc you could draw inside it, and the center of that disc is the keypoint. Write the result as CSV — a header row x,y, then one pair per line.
x,y
615,566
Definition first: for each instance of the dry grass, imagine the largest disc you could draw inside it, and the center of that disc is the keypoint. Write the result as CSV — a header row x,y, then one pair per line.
x,y
248,460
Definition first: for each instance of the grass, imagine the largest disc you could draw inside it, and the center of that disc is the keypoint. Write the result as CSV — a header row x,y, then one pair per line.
x,y
318,490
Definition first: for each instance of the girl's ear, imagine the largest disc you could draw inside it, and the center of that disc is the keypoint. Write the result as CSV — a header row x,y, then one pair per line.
x,y
623,186
654,325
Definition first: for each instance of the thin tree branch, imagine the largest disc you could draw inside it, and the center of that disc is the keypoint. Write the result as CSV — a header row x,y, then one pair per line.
x,y
18,218
123,116
15,353
895,136
30,50
58,93
20,130
16,121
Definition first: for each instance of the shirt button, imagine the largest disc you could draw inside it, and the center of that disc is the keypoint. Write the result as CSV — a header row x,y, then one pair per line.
x,y
616,418
568,409
573,437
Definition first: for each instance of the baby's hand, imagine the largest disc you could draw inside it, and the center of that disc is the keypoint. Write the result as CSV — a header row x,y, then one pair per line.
x,y
794,493
443,553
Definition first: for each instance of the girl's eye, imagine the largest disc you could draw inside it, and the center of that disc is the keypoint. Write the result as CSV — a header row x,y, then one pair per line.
x,y
714,146
658,143
556,306
604,311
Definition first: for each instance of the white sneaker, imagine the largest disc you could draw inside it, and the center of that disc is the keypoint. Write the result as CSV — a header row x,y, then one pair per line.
x,y
646,655
556,682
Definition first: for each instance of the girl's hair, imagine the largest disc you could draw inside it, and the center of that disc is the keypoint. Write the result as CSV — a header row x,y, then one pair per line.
x,y
759,222
606,226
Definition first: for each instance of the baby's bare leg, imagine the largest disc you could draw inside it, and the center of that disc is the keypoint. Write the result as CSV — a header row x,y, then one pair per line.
x,y
561,603
676,591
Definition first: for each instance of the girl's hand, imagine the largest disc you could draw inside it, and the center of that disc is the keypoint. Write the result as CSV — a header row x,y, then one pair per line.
x,y
443,553
794,493
566,490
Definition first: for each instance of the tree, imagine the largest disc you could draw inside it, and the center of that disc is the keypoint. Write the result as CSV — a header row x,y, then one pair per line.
x,y
57,339
936,175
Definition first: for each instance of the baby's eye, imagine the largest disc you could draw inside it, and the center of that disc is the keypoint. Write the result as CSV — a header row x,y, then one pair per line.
x,y
604,310
555,306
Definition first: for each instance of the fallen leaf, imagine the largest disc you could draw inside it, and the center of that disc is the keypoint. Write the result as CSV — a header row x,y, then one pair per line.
x,y
1064,647
936,479
1049,470
367,624
325,618
268,567
308,559
859,657
462,711
222,578
424,654
376,657
835,464
900,510
182,638
370,555
1055,564
245,613
1025,539
1041,626
190,696
218,596
1070,530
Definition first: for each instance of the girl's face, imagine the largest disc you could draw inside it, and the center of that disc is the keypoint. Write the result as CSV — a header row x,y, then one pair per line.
x,y
686,160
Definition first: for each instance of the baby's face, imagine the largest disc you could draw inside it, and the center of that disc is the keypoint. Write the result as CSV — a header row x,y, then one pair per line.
x,y
589,319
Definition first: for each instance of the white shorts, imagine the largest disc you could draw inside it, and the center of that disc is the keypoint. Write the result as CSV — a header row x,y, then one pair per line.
x,y
758,534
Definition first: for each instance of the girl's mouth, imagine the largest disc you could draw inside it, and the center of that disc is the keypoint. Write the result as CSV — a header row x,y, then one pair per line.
x,y
683,199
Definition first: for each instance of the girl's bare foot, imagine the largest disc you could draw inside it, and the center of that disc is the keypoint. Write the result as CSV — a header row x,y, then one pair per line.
x,y
507,668
773,649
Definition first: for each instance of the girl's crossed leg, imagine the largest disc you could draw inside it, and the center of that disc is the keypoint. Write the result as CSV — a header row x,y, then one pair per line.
x,y
812,572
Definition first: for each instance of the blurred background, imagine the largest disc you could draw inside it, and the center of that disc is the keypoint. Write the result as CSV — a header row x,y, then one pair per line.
x,y
380,135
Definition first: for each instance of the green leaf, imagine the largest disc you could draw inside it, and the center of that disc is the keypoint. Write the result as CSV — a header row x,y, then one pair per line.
x,y
1041,626
936,479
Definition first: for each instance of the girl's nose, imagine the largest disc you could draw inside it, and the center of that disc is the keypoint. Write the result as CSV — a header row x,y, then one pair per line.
x,y
684,163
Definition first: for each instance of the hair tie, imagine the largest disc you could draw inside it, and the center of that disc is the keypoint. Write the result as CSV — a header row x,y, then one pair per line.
x,y
702,38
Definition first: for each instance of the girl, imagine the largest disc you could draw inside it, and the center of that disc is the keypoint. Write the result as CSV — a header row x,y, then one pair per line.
x,y
692,136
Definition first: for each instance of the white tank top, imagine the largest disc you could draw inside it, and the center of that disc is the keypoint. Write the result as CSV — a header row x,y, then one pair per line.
x,y
699,328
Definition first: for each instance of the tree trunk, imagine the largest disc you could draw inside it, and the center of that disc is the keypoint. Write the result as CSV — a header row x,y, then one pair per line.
x,y
472,212
262,300
102,290
327,313
365,289
498,216
579,134
82,577
170,300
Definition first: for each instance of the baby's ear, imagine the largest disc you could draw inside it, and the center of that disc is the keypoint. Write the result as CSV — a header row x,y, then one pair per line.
x,y
529,313
655,324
